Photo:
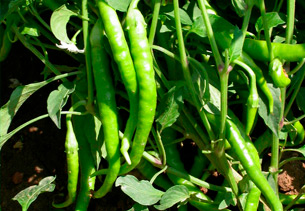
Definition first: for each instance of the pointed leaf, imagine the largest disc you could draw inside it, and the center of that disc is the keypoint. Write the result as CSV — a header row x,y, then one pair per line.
x,y
59,20
138,207
119,5
18,97
169,108
273,20
57,100
271,120
236,45
30,194
173,195
140,191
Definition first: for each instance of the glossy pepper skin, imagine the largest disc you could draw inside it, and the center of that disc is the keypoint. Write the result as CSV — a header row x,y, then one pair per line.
x,y
107,108
143,62
248,160
71,147
278,74
123,59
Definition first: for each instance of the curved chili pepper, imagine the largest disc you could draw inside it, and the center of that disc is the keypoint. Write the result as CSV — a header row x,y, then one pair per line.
x,y
122,57
107,107
278,74
143,61
257,49
71,147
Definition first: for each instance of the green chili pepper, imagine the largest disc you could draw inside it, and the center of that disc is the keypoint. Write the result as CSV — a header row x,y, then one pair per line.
x,y
143,61
248,160
260,80
107,107
278,74
257,49
297,135
71,147
122,57
86,161
286,199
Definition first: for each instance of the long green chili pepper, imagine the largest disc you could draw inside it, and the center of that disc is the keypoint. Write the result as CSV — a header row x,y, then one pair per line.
x,y
71,147
260,80
107,107
86,162
143,61
122,57
258,50
200,163
247,159
297,135
278,74
253,99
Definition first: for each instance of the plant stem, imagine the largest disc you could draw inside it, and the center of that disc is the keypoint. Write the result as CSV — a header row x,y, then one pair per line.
x,y
186,176
290,20
210,34
154,21
266,28
87,49
186,72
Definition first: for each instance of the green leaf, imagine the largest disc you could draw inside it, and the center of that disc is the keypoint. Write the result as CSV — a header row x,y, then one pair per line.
x,y
138,207
140,191
57,100
168,10
30,194
59,20
240,7
300,99
119,5
213,106
29,30
273,20
18,97
169,108
271,120
198,27
236,45
229,199
173,195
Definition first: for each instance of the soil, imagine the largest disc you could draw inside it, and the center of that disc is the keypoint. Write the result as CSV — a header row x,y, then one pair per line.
x,y
38,150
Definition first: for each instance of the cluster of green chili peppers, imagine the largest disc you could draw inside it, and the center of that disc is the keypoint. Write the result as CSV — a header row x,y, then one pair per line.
x,y
121,66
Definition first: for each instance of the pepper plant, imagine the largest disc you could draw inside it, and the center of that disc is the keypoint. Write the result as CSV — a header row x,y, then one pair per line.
x,y
154,75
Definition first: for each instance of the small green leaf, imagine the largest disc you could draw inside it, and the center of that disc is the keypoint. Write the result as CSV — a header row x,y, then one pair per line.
x,y
300,99
30,194
213,106
236,45
173,195
140,191
57,100
59,20
119,5
229,199
198,27
168,10
169,108
271,120
273,20
30,31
